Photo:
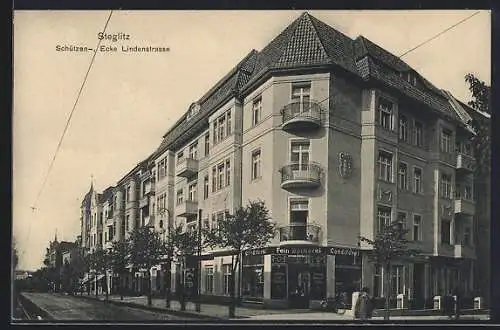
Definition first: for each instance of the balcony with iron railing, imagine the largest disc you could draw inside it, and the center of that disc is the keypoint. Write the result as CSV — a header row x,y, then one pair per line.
x,y
464,202
465,163
299,233
187,167
300,175
187,208
464,251
303,115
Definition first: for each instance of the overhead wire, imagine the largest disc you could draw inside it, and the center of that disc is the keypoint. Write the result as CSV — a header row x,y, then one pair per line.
x,y
34,207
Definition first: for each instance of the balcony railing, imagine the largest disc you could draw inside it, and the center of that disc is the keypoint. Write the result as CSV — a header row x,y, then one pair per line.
x,y
187,168
299,234
464,206
300,175
144,201
301,115
465,163
464,251
187,208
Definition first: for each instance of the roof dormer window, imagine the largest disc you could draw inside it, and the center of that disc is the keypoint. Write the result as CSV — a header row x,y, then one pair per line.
x,y
409,76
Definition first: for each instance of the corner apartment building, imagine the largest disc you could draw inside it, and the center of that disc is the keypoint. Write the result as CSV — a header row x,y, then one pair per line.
x,y
338,137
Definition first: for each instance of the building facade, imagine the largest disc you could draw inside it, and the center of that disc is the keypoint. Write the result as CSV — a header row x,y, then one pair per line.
x,y
339,137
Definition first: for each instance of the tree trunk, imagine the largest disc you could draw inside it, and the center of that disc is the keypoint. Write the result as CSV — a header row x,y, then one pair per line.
x,y
181,287
232,286
107,288
168,283
121,286
150,293
96,287
387,290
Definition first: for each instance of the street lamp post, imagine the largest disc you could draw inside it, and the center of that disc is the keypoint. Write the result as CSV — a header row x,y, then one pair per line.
x,y
167,264
198,282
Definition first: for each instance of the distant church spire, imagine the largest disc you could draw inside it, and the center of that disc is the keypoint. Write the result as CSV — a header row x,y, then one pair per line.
x,y
55,236
91,182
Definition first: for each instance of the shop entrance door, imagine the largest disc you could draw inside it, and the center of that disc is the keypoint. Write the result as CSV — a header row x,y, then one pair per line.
x,y
418,285
299,286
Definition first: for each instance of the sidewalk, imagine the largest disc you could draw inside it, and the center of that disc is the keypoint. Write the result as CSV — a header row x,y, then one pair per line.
x,y
208,311
321,316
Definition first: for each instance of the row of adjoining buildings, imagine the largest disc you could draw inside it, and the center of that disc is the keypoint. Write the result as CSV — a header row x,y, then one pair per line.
x,y
338,137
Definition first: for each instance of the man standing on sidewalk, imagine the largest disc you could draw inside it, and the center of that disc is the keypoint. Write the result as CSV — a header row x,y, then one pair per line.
x,y
458,302
364,305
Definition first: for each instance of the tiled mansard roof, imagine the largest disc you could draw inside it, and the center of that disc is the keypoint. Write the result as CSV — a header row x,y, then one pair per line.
x,y
307,42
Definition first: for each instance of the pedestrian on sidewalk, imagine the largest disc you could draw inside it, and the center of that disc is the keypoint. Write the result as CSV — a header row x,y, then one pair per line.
x,y
458,302
363,309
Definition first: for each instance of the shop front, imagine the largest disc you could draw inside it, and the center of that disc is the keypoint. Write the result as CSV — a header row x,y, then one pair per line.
x,y
299,277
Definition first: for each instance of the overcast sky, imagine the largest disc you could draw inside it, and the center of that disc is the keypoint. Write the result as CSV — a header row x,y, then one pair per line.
x,y
130,100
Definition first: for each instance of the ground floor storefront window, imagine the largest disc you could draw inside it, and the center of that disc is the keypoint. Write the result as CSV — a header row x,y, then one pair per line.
x,y
253,276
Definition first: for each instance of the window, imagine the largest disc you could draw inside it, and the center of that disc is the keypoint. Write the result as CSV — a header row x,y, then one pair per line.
x,y
180,157
228,126
209,280
222,127
403,128
221,175
256,172
127,195
403,176
205,187
417,180
192,192
299,213
207,144
383,217
384,166
445,231
161,224
227,275
445,186
162,168
193,151
446,145
397,280
467,236
214,179
419,134
105,237
256,111
417,222
468,193
180,196
301,94
162,203
218,218
384,113
402,218
127,220
299,154
228,172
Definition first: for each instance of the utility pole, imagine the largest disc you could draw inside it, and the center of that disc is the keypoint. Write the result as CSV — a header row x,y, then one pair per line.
x,y
198,273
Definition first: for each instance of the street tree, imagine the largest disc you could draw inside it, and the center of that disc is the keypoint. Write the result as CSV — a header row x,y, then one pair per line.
x,y
186,246
249,227
119,259
78,268
172,237
101,266
390,244
146,251
481,141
